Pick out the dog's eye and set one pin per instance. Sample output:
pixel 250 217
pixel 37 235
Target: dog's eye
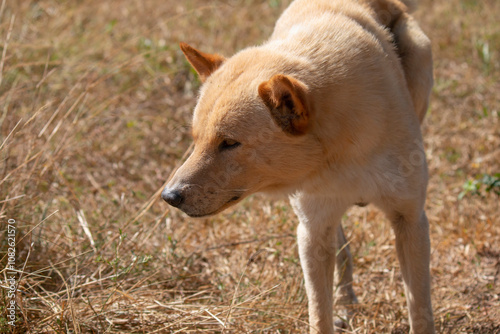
pixel 228 144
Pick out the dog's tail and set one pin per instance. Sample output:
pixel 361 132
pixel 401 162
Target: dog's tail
pixel 412 46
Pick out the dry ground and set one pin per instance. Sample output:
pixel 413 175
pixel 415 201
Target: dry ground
pixel 95 104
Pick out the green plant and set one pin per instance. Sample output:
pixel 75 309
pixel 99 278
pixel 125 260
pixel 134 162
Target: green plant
pixel 485 184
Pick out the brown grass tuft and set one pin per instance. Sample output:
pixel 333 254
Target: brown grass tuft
pixel 95 105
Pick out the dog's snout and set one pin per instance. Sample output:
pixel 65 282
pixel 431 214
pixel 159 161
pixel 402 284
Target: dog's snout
pixel 172 197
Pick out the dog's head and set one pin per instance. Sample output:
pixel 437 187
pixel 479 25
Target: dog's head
pixel 250 130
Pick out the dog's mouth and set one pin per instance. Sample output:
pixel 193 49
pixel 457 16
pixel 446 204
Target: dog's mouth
pixel 229 203
pixel 234 199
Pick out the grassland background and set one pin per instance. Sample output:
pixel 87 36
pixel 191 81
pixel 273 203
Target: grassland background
pixel 95 107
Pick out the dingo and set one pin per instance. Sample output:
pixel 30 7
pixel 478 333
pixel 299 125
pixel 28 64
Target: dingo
pixel 328 111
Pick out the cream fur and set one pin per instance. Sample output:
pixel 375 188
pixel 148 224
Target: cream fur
pixel 327 111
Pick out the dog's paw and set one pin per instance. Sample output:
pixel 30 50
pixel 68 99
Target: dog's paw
pixel 344 308
pixel 341 324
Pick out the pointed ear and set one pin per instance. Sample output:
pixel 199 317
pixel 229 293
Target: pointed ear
pixel 286 99
pixel 204 63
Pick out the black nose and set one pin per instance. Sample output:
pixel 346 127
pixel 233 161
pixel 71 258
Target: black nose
pixel 172 197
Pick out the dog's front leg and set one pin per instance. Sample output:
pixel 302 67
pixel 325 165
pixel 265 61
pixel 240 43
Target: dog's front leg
pixel 317 257
pixel 344 296
pixel 319 222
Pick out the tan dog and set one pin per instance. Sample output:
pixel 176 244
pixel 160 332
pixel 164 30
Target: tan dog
pixel 327 111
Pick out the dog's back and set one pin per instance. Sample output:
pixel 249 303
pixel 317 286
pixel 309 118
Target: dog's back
pixel 320 22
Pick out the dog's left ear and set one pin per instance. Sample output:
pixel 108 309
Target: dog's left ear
pixel 286 99
pixel 204 63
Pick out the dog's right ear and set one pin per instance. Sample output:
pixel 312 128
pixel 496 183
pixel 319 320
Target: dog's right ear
pixel 286 99
pixel 204 63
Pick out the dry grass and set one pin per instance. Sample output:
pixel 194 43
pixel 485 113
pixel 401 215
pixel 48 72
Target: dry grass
pixel 95 104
